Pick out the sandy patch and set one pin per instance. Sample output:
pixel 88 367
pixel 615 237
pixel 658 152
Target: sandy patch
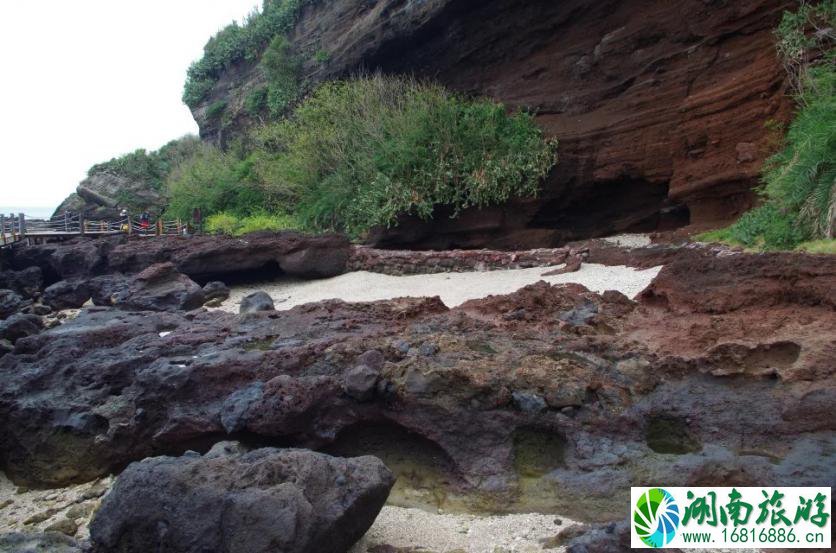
pixel 628 240
pixel 453 288
pixel 443 533
pixel 66 510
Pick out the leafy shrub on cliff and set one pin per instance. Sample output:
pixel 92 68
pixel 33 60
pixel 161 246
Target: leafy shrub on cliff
pixel 282 68
pixel 216 110
pixel 801 36
pixel 239 43
pixel 363 152
pixel 256 100
pixel 213 181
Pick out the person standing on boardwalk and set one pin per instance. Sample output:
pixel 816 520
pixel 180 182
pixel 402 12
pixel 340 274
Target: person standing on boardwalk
pixel 144 222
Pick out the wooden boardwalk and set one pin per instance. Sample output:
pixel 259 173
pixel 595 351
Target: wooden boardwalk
pixel 17 228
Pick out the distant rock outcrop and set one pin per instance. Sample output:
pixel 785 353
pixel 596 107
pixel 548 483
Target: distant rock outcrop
pixel 103 195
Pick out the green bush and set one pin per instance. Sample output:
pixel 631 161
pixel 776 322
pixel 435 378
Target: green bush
pixel 363 152
pixel 237 43
pixel 818 246
pixel 266 221
pixel 801 36
pixel 322 57
pixel 221 223
pixel 228 223
pixel 213 181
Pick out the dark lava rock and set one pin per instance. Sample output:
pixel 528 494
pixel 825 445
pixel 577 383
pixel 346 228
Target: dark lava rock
pixel 40 309
pixel 27 282
pixel 73 293
pixel 267 500
pixel 373 359
pixel 216 290
pixel 80 257
pixel 10 302
pixel 202 258
pixel 213 257
pixel 360 382
pixel 160 287
pixel 19 326
pixel 67 294
pixel 257 302
pixel 51 542
pixel 528 402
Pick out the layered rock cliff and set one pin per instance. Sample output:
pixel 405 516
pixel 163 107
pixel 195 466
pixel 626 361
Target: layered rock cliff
pixel 660 105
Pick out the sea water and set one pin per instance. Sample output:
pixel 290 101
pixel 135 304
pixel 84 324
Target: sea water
pixel 30 212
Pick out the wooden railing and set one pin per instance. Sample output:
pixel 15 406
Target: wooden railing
pixel 17 227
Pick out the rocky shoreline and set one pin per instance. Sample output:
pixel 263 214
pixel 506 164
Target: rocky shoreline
pixel 720 372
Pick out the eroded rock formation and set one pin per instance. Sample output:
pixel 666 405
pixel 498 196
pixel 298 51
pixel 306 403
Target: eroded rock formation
pixel 554 388
pixel 660 105
pixel 202 258
pixel 101 196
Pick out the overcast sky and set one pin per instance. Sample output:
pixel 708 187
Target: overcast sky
pixel 88 80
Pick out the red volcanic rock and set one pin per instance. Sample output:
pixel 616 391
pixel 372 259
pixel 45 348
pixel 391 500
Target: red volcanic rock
pixel 659 105
pixel 737 280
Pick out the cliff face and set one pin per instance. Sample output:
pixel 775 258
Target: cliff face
pixel 660 105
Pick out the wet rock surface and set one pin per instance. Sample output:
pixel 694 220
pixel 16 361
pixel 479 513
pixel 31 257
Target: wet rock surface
pixel 259 501
pixel 567 397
